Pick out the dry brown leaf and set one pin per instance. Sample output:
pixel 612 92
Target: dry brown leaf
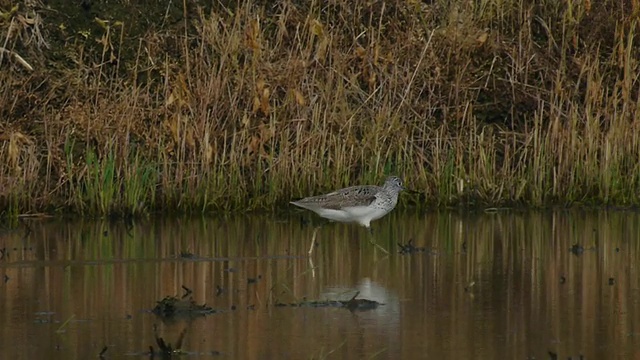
pixel 252 34
pixel 483 38
pixel 264 103
pixel 170 100
pixel 321 49
pixel 256 104
pixel 300 100
pixel 316 28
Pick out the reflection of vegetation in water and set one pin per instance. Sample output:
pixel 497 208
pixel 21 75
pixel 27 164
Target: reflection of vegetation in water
pixel 132 108
pixel 517 274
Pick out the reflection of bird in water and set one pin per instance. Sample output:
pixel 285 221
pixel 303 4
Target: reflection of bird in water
pixel 377 328
pixel 369 290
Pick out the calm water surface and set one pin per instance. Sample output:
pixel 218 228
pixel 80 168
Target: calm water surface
pixel 491 286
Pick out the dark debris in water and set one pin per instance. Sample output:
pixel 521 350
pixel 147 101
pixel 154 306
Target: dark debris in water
pixel 4 252
pixel 352 305
pixel 469 286
pixel 172 306
pixel 554 356
pixel 165 349
pixel 104 350
pixel 577 249
pixel 168 351
pixel 187 255
pixel 409 248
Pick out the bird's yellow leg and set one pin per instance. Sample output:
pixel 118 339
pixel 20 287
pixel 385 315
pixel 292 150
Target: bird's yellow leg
pixel 373 241
pixel 313 239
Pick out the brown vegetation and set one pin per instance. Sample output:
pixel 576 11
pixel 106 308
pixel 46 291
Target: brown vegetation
pixel 243 106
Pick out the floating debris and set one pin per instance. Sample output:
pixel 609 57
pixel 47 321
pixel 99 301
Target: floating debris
pixel 171 306
pixel 187 255
pixel 165 349
pixel 409 248
pixel 104 350
pixel 554 356
pixel 469 286
pixel 61 329
pixel 612 281
pixel 168 351
pixel 353 304
pixel 563 279
pixel 576 249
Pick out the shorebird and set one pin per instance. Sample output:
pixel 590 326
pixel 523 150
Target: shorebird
pixel 360 204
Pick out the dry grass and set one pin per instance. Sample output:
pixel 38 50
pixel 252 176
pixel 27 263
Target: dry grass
pixel 487 102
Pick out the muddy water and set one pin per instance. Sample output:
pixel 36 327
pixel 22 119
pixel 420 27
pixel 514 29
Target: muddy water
pixel 489 286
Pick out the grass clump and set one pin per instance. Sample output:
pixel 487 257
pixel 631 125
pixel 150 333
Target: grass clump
pixel 245 105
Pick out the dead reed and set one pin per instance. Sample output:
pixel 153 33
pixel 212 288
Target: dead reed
pixel 245 106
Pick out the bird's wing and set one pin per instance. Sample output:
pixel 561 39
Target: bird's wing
pixel 347 197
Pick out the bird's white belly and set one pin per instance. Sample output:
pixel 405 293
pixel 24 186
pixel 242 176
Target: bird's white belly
pixel 361 214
